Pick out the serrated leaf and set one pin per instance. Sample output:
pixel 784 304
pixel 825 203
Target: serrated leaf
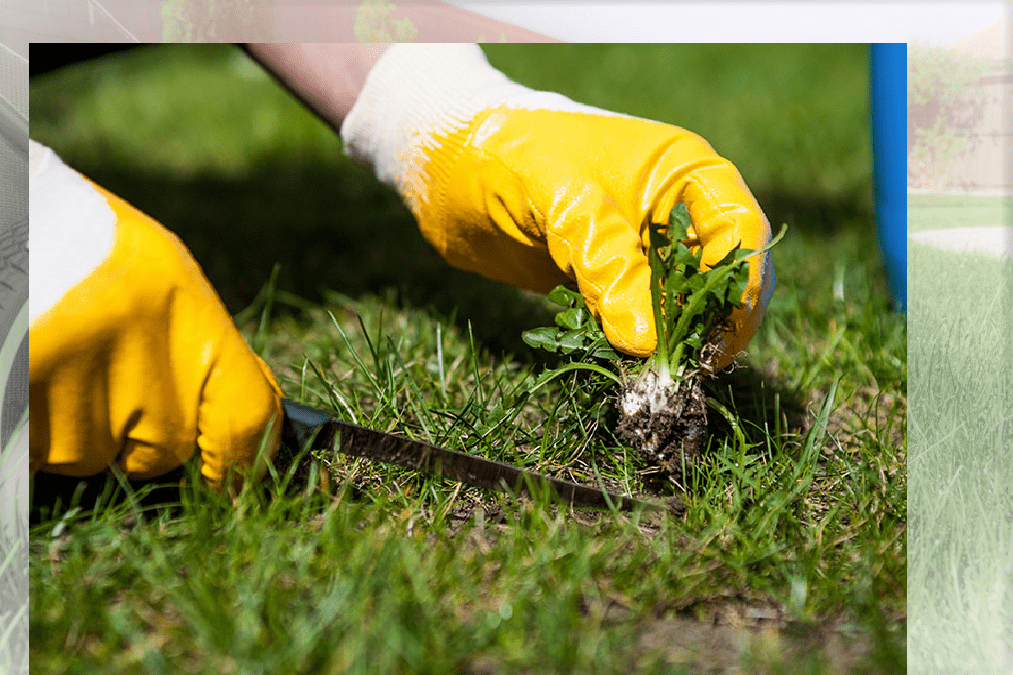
pixel 694 284
pixel 689 303
pixel 679 221
pixel 737 286
pixel 685 257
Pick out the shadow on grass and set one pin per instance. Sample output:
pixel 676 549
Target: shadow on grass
pixel 815 212
pixel 754 398
pixel 55 496
pixel 331 227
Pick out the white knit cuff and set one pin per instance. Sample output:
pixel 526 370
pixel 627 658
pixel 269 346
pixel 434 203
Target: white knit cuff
pixel 73 228
pixel 38 155
pixel 417 92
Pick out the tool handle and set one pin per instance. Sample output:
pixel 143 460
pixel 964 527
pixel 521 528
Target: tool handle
pixel 304 424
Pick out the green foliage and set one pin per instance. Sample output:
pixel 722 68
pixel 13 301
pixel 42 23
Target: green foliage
pixel 945 102
pixel 691 304
pixel 394 572
pixel 576 332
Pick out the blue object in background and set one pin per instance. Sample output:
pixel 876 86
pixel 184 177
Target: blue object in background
pixel 888 63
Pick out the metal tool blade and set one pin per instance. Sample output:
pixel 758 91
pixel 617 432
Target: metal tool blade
pixel 305 424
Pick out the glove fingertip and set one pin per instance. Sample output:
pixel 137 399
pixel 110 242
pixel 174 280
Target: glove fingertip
pixel 627 318
pixel 240 418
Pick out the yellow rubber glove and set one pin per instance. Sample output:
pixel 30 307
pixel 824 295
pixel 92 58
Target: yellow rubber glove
pixel 533 189
pixel 134 360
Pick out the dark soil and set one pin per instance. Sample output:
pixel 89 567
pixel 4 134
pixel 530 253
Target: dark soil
pixel 673 437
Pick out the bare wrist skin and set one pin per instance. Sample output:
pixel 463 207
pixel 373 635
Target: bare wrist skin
pixel 326 77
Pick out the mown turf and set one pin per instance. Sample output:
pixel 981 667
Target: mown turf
pixel 790 546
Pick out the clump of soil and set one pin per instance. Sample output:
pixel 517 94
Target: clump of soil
pixel 666 423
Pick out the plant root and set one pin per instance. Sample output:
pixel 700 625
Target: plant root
pixel 665 424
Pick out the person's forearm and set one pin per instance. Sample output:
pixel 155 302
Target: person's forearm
pixel 327 78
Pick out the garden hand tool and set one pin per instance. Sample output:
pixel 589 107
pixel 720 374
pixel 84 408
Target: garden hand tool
pixel 533 189
pixel 307 425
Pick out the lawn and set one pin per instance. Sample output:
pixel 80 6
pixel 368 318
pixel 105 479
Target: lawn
pixel 789 551
pixel 961 430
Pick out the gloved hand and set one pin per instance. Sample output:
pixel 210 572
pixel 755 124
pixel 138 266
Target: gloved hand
pixel 533 189
pixel 134 360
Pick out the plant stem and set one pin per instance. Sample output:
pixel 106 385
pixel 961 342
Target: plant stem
pixel 658 241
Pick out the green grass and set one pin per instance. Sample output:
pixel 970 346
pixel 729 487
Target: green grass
pixel 961 429
pixel 797 521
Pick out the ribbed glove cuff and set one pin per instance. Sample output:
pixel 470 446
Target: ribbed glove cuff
pixel 418 93
pixel 414 93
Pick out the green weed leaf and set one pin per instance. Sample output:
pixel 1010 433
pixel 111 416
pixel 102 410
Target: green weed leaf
pixel 690 303
pixel 563 296
pixel 571 341
pixel 542 338
pixel 679 221
pixel 573 318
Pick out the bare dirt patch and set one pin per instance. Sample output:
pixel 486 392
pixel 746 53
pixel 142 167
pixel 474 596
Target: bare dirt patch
pixel 750 637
